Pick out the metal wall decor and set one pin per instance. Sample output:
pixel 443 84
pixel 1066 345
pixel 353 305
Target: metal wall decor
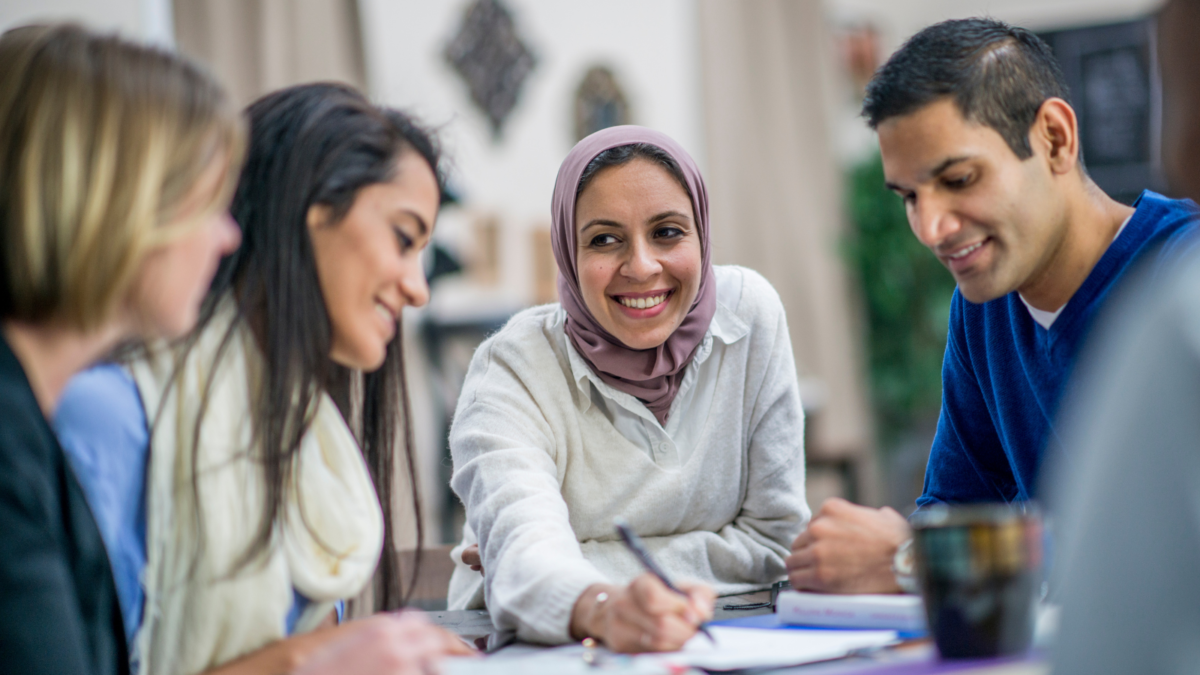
pixel 599 103
pixel 492 59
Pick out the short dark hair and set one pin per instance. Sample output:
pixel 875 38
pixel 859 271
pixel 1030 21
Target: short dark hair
pixel 623 154
pixel 999 76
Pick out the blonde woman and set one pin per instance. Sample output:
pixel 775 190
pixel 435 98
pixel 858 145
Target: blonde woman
pixel 117 165
pixel 115 175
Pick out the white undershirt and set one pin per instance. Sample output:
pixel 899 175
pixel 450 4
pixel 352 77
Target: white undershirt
pixel 1046 319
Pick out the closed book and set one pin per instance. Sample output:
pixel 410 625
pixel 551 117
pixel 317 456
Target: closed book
pixel 897 612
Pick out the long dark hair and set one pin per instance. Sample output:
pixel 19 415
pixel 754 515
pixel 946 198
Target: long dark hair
pixel 315 144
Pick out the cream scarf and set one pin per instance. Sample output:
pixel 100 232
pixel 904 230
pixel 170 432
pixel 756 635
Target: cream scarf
pixel 199 612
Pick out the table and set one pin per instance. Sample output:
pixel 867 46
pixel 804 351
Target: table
pixel 919 658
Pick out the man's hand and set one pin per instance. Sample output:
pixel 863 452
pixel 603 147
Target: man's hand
pixel 644 616
pixel 848 548
pixel 471 557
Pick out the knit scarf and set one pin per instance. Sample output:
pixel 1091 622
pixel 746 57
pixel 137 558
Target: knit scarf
pixel 203 609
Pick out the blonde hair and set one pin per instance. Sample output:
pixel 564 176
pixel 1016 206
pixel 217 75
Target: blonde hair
pixel 100 142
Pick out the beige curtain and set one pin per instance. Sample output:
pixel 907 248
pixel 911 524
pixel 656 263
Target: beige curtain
pixel 776 195
pixel 256 46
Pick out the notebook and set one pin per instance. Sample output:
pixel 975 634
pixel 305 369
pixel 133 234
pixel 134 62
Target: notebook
pixel 895 612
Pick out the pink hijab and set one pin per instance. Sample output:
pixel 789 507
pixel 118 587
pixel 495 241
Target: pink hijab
pixel 650 375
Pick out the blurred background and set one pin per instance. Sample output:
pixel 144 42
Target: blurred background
pixel 764 94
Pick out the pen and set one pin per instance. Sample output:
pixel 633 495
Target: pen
pixel 638 549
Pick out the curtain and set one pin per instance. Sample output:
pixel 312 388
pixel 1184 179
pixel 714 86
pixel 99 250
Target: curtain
pixel 257 46
pixel 776 200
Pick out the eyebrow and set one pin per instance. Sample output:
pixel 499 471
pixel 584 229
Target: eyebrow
pixel 937 171
pixel 654 219
pixel 670 214
pixel 599 221
pixel 417 217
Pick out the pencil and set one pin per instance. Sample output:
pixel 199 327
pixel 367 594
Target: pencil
pixel 634 543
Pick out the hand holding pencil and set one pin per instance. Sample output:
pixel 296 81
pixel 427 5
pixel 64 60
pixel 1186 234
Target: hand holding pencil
pixel 645 616
pixel 635 545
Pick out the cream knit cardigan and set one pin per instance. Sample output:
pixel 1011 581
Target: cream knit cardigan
pixel 542 470
pixel 201 610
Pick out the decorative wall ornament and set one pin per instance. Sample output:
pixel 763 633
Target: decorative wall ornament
pixel 492 59
pixel 599 103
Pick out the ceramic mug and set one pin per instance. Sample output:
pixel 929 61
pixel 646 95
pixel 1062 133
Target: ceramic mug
pixel 979 567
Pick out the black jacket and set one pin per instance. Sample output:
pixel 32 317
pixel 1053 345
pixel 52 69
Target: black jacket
pixel 58 603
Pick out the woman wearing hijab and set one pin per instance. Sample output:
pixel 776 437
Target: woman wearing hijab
pixel 661 390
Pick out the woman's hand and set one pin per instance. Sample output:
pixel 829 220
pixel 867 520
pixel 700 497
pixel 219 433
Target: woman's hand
pixel 471 557
pixel 644 616
pixel 384 643
pixel 392 644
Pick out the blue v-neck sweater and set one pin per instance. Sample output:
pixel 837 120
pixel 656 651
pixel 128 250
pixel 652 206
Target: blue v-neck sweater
pixel 1003 374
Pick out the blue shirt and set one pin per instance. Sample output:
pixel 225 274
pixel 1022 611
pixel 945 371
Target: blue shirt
pixel 1004 374
pixel 102 427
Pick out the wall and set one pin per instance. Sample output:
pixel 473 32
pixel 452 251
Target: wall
pixel 148 20
pixel 898 20
pixel 651 47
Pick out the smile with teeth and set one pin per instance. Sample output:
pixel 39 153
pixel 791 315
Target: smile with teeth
pixel 644 303
pixel 965 252
pixel 385 313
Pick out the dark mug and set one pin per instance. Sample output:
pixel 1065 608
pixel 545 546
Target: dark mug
pixel 980 570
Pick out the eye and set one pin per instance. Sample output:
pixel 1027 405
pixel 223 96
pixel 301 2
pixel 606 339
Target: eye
pixel 668 232
pixel 958 182
pixel 602 240
pixel 403 241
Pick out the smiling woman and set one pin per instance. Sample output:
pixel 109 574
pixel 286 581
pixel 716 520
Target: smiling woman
pixel 368 263
pixel 661 390
pixel 639 271
pixel 270 434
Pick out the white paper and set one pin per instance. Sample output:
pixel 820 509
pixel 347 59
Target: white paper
pixel 737 648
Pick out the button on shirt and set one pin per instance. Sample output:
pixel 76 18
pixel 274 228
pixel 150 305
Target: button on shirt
pixel 671 446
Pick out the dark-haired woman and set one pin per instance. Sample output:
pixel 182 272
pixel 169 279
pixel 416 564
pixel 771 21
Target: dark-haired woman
pixel 256 510
pixel 661 389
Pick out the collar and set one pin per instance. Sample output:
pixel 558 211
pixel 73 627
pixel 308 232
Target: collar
pixel 726 326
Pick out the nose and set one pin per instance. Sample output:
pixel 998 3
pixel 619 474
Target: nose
pixel 642 263
pixel 932 221
pixel 413 285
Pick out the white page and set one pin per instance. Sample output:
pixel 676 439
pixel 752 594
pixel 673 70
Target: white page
pixel 737 648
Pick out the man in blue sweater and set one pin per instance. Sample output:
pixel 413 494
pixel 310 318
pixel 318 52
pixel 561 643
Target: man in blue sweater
pixel 978 138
